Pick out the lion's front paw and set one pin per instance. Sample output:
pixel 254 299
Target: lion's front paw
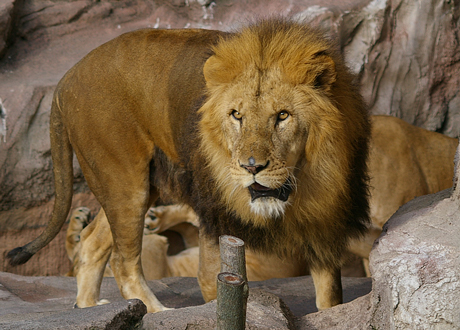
pixel 98 303
pixel 151 226
pixel 103 302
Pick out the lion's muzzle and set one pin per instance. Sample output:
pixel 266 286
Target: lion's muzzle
pixel 257 191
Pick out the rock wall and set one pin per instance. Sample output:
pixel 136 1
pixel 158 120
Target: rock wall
pixel 406 55
pixel 410 70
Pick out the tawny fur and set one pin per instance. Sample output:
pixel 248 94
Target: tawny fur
pixel 184 114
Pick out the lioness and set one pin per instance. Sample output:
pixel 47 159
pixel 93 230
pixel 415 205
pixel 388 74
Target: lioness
pixel 261 132
pixel 156 263
pixel 405 161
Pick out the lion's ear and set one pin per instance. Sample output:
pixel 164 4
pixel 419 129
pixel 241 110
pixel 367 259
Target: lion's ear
pixel 326 73
pixel 216 72
pixel 319 72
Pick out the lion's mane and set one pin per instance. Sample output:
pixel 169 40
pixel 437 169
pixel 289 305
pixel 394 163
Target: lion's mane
pixel 329 204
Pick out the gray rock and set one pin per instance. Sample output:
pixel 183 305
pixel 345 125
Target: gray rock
pixel 411 54
pixel 265 311
pixel 415 265
pixel 355 315
pixel 120 315
pixel 273 304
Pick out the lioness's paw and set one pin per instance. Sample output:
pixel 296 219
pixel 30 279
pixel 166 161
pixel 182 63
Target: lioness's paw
pixel 81 214
pixel 100 302
pixel 152 223
pixel 151 226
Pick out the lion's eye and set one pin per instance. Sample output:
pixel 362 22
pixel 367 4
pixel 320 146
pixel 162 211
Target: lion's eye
pixel 283 115
pixel 237 115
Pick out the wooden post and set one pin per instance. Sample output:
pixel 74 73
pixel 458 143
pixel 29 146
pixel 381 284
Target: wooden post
pixel 232 285
pixel 231 305
pixel 232 256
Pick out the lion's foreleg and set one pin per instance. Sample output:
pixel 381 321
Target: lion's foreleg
pixel 95 248
pixel 328 287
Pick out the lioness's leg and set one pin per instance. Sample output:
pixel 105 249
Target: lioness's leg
pixel 209 267
pixel 91 260
pixel 165 217
pixel 328 287
pixel 154 257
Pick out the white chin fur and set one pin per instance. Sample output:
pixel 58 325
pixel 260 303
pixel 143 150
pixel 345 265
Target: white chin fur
pixel 268 207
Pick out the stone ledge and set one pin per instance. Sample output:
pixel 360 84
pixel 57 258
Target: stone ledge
pixel 26 300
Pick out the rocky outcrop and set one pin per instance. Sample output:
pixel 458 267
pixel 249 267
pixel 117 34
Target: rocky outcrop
pixel 411 54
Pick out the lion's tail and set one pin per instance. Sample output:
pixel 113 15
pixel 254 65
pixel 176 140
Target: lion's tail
pixel 62 156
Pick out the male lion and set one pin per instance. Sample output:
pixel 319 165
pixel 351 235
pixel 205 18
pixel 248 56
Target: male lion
pixel 261 132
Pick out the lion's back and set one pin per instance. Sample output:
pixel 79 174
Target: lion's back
pixel 405 162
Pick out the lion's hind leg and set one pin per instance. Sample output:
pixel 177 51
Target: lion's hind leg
pixel 90 262
pixel 125 206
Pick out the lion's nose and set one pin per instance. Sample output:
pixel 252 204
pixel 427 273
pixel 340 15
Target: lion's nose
pixel 252 167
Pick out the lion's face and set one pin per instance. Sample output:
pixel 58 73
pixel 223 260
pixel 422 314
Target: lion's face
pixel 259 129
pixel 265 135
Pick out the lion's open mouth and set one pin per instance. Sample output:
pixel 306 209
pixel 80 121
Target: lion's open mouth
pixel 257 191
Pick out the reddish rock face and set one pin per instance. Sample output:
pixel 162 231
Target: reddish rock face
pixel 19 226
pixel 406 56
